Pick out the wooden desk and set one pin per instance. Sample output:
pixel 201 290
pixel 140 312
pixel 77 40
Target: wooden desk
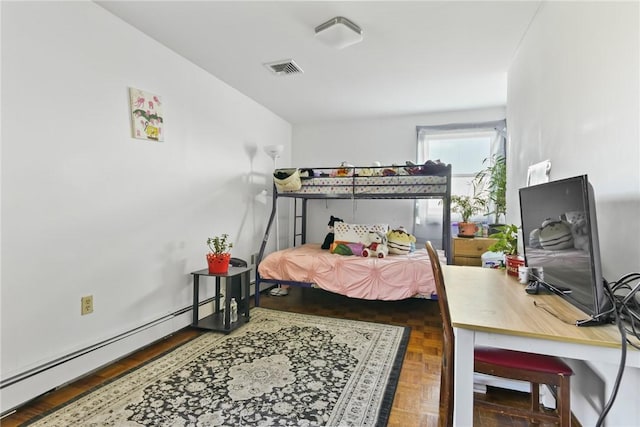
pixel 490 308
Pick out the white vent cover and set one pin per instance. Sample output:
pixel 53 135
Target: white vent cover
pixel 283 67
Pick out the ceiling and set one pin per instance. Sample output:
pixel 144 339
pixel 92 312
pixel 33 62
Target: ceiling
pixel 416 56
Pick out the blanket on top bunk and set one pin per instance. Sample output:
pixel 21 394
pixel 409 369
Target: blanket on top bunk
pixel 394 277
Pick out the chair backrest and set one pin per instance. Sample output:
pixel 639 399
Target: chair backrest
pixel 446 375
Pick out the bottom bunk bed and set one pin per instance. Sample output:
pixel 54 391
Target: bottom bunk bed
pixel 394 277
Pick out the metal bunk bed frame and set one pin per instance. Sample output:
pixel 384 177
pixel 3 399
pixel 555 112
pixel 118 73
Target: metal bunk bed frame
pixel 352 195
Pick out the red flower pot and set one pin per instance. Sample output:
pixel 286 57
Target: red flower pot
pixel 467 229
pixel 513 262
pixel 218 263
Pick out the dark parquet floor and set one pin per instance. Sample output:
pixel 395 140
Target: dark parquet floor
pixel 417 394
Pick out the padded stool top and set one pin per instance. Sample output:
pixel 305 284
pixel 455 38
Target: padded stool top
pixel 522 360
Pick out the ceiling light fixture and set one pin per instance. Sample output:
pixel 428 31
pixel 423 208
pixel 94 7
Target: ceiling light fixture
pixel 339 32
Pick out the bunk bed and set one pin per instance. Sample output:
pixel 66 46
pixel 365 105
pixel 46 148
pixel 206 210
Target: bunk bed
pixel 311 266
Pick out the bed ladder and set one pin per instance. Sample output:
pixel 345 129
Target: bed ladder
pixel 299 215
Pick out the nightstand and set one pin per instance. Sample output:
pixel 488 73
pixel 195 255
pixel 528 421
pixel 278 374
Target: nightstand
pixel 221 320
pixel 468 251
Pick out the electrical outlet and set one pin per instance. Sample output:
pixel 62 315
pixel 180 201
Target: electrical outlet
pixel 86 305
pixel 254 258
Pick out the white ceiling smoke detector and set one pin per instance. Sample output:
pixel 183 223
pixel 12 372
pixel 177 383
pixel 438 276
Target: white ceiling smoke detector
pixel 339 32
pixel 283 67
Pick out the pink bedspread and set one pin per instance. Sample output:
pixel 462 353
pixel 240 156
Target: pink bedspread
pixel 395 277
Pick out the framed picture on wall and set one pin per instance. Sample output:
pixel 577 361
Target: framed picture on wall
pixel 146 115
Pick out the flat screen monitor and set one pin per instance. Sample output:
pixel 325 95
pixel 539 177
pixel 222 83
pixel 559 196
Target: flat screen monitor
pixel 561 235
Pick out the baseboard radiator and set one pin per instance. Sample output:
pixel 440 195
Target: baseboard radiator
pixel 21 388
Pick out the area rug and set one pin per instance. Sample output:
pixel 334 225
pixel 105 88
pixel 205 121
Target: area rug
pixel 280 369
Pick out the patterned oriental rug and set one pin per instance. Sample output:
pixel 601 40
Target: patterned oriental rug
pixel 280 369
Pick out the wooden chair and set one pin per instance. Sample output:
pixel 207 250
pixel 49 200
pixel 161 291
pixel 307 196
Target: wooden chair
pixel 534 368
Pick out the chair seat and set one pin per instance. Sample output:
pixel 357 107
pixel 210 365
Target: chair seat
pixel 522 360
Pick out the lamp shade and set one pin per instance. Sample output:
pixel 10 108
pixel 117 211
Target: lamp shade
pixel 274 151
pixel 339 32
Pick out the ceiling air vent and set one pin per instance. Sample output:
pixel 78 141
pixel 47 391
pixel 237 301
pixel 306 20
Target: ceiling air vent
pixel 284 67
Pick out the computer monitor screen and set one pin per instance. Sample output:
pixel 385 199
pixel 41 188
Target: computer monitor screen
pixel 561 236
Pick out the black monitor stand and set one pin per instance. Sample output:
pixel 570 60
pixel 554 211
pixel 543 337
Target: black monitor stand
pixel 537 286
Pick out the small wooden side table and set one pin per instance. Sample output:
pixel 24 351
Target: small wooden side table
pixel 468 251
pixel 218 320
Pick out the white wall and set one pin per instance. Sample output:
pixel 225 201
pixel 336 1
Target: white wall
pixel 88 210
pixel 390 140
pixel 573 97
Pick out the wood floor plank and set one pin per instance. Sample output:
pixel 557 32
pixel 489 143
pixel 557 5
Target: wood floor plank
pixel 417 394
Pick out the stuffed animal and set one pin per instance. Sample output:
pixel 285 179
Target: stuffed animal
pixel 555 235
pixel 400 242
pixel 328 240
pixel 377 245
pixel 412 168
pixel 580 233
pixel 345 169
pixel 365 172
pixel 534 239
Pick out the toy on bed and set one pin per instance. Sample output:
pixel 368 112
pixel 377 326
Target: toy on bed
pixel 400 242
pixel 345 169
pixel 430 167
pixel 553 235
pixel 377 245
pixel 579 229
pixel 348 248
pixel 328 240
pixel 349 238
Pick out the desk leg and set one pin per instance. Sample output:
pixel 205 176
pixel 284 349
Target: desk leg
pixel 463 374
pixel 196 299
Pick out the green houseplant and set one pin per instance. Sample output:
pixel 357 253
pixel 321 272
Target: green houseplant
pixel 218 258
pixel 467 206
pixel 507 243
pixel 493 181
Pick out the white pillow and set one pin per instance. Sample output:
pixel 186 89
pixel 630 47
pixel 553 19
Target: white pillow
pixel 356 233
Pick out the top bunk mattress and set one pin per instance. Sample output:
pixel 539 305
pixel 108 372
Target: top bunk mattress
pixel 394 277
pixel 361 185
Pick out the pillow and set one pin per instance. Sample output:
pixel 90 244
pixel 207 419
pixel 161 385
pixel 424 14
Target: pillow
pixel 356 233
pixel 343 248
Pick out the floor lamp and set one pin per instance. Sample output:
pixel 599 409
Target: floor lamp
pixel 274 151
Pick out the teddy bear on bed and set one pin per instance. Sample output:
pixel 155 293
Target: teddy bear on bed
pixel 555 235
pixel 376 245
pixel 328 240
pixel 400 241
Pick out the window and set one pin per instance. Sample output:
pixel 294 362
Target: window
pixel 465 147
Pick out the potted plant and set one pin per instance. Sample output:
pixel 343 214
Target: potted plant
pixel 507 243
pixel 218 258
pixel 493 182
pixel 467 206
